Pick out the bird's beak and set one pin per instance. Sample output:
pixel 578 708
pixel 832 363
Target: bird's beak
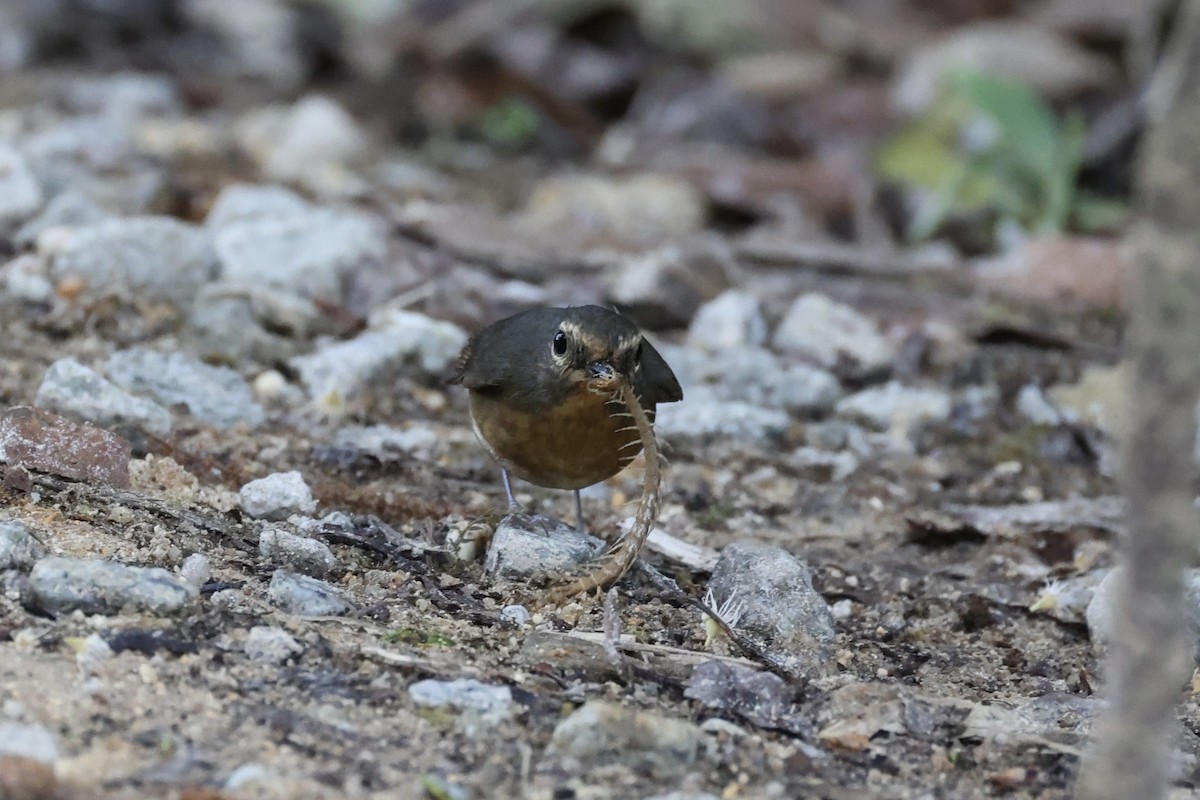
pixel 602 372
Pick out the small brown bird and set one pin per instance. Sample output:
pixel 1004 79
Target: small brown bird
pixel 543 400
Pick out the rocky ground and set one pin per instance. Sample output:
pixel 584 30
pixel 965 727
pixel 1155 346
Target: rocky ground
pixel 250 547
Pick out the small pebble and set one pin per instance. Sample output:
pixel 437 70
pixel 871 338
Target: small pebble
pixel 19 549
pixel 826 331
pixel 196 569
pixel 271 644
pixel 277 496
pixel 516 614
pixel 61 584
pixel 730 321
pixel 307 597
pixel 527 546
pixel 299 553
pixel 602 733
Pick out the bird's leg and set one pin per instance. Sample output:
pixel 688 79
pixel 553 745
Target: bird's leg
pixel 513 506
pixel 579 526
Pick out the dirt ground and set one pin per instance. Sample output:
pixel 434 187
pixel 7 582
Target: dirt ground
pixel 949 551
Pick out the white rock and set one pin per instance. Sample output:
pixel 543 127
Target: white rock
pixel 276 497
pixel 824 330
pixel 271 644
pixel 895 404
pixel 20 192
pixel 731 320
pixel 196 569
pixel 70 388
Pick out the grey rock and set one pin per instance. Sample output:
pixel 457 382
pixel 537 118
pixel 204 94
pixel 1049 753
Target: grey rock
pixel 385 443
pixel 196 569
pixel 1033 405
pixel 838 434
pixel 69 209
pixel 515 614
pixel 308 253
pixel 216 395
pixel 277 496
pixel 29 741
pixel 731 320
pixel 527 546
pixel 662 288
pixel 271 644
pixel 74 390
pixel 826 332
pixel 305 596
pixel 759 697
pixel 125 96
pixel 20 192
pixel 24 279
pixel 246 202
pixel 343 369
pixel 246 323
pixel 19 549
pixel 779 606
pixel 494 703
pixel 840 464
pixel 59 584
pixel 894 404
pixel 706 414
pixel 309 556
pixel 316 134
pixel 603 733
pixel 755 376
pixel 152 256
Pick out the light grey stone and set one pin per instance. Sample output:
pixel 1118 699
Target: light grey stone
pixel 1033 405
pixel 196 569
pixel 28 741
pixel 515 614
pixel 152 256
pixel 305 596
pixel 895 404
pixel 778 605
pixel 59 584
pixel 602 733
pixel 308 556
pixel 731 320
pixel 216 395
pixel 308 253
pixel 826 331
pixel 72 389
pixel 528 546
pixel 271 644
pixel 277 496
pixel 246 202
pixel 465 694
pixel 704 413
pixel 316 133
pixel 755 376
pixel 24 278
pixel 19 548
pixel 386 443
pixel 338 370
pixel 20 192
pixel 68 209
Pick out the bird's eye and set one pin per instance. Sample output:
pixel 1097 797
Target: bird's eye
pixel 560 343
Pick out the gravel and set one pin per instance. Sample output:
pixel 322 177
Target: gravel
pixel 277 496
pixel 307 597
pixel 216 395
pixel 492 703
pixel 61 584
pixel 70 388
pixel 706 414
